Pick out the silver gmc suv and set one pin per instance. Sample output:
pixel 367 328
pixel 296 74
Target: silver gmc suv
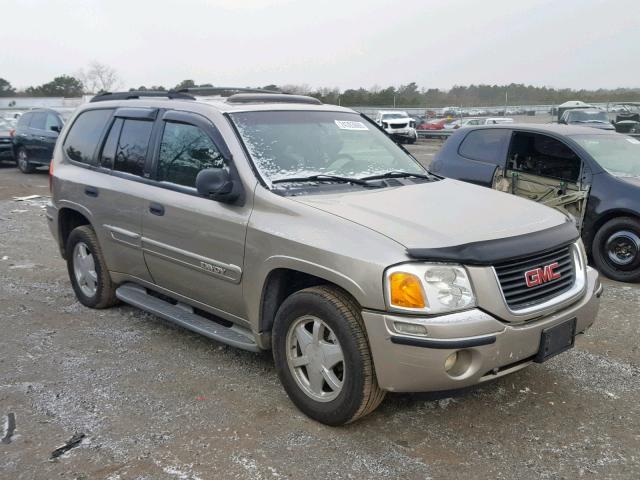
pixel 270 221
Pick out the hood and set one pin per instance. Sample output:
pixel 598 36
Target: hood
pixel 635 181
pixel 438 214
pixel 601 126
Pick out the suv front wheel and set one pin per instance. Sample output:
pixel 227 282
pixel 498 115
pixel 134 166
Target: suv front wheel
pixel 323 358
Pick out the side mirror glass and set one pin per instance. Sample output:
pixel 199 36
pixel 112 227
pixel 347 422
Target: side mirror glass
pixel 216 183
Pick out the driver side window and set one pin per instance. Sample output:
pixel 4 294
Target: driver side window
pixel 543 156
pixel 185 150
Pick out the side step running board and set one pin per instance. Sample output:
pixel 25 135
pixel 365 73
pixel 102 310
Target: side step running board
pixel 179 314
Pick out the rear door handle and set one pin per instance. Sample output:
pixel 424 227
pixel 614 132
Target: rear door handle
pixel 156 209
pixel 91 191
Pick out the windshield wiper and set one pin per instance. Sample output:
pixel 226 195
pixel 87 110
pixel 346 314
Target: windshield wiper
pixel 590 121
pixel 397 174
pixel 324 178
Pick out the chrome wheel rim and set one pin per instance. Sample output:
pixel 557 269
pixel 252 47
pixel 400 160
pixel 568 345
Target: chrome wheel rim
pixel 622 248
pixel 315 358
pixel 22 159
pixel 84 269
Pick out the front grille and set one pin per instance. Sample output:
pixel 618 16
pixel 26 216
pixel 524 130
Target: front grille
pixel 398 125
pixel 514 284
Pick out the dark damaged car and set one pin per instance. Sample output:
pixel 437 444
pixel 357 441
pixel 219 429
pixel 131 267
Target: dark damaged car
pixel 591 175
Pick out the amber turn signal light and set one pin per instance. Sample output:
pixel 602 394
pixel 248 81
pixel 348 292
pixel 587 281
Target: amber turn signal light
pixel 406 290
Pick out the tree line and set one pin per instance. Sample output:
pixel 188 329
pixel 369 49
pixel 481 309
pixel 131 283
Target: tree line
pixel 100 78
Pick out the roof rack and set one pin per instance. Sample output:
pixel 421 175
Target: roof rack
pixel 223 91
pixel 272 98
pixel 105 96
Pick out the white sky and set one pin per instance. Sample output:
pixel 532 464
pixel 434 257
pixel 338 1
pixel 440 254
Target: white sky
pixel 346 43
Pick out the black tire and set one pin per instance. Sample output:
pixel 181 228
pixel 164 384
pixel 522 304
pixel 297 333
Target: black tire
pixel 105 293
pixel 624 232
pixel 22 161
pixel 360 393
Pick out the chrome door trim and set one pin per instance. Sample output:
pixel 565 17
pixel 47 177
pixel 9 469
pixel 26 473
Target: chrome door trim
pixel 215 268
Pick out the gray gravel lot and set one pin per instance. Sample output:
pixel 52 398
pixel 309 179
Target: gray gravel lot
pixel 158 402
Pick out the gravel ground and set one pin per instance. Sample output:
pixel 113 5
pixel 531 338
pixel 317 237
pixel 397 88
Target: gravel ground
pixel 158 402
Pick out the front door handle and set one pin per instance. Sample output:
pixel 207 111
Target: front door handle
pixel 156 209
pixel 91 191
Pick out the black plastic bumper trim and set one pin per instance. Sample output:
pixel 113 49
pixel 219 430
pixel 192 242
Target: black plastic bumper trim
pixel 444 344
pixel 490 252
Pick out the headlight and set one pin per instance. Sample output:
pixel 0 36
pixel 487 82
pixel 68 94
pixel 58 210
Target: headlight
pixel 428 288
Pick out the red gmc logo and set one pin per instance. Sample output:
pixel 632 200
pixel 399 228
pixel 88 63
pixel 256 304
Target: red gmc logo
pixel 538 276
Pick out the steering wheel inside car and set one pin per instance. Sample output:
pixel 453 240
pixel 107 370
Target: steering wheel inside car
pixel 340 162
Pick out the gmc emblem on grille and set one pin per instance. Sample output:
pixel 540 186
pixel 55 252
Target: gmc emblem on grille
pixel 538 276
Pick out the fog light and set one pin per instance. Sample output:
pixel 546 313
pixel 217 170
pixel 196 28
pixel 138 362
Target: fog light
pixel 450 361
pixel 410 328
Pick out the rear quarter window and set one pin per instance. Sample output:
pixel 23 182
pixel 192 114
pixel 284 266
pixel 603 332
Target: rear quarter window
pixel 83 138
pixel 485 145
pixel 25 118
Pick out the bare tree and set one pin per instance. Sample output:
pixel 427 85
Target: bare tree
pixel 100 78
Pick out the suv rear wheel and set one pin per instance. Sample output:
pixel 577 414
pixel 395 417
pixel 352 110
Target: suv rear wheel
pixel 322 356
pixel 22 159
pixel 616 249
pixel 87 269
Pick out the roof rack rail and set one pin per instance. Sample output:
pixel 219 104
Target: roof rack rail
pixel 272 98
pixel 223 90
pixel 105 96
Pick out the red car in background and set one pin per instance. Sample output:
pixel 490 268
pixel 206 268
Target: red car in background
pixel 433 125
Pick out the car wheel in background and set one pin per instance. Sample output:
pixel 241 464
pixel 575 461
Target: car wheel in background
pixel 616 249
pixel 22 160
pixel 322 356
pixel 87 269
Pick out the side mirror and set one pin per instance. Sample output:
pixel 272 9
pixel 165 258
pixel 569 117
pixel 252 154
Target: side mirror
pixel 54 128
pixel 216 183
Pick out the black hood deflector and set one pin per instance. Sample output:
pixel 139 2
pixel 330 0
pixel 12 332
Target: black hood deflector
pixel 491 252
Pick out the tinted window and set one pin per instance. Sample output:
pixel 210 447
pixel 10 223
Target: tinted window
pixel 131 153
pixel 543 156
pixel 82 140
pixel 485 145
pixel 184 151
pixel 38 121
pixel 25 119
pixel 111 144
pixel 52 121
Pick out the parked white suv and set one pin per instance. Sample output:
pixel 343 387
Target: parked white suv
pixel 398 124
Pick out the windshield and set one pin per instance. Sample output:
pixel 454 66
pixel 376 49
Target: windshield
pixel 585 116
pixel 617 154
pixel 293 144
pixel 391 116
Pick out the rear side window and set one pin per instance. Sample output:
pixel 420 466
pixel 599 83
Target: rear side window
pixel 82 141
pixel 485 145
pixel 25 119
pixel 38 121
pixel 184 151
pixel 133 144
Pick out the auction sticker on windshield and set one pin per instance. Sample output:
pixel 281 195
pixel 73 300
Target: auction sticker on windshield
pixel 350 125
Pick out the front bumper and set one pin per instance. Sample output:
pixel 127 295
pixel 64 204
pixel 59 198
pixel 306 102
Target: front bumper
pixel 6 150
pixel 402 132
pixel 492 348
